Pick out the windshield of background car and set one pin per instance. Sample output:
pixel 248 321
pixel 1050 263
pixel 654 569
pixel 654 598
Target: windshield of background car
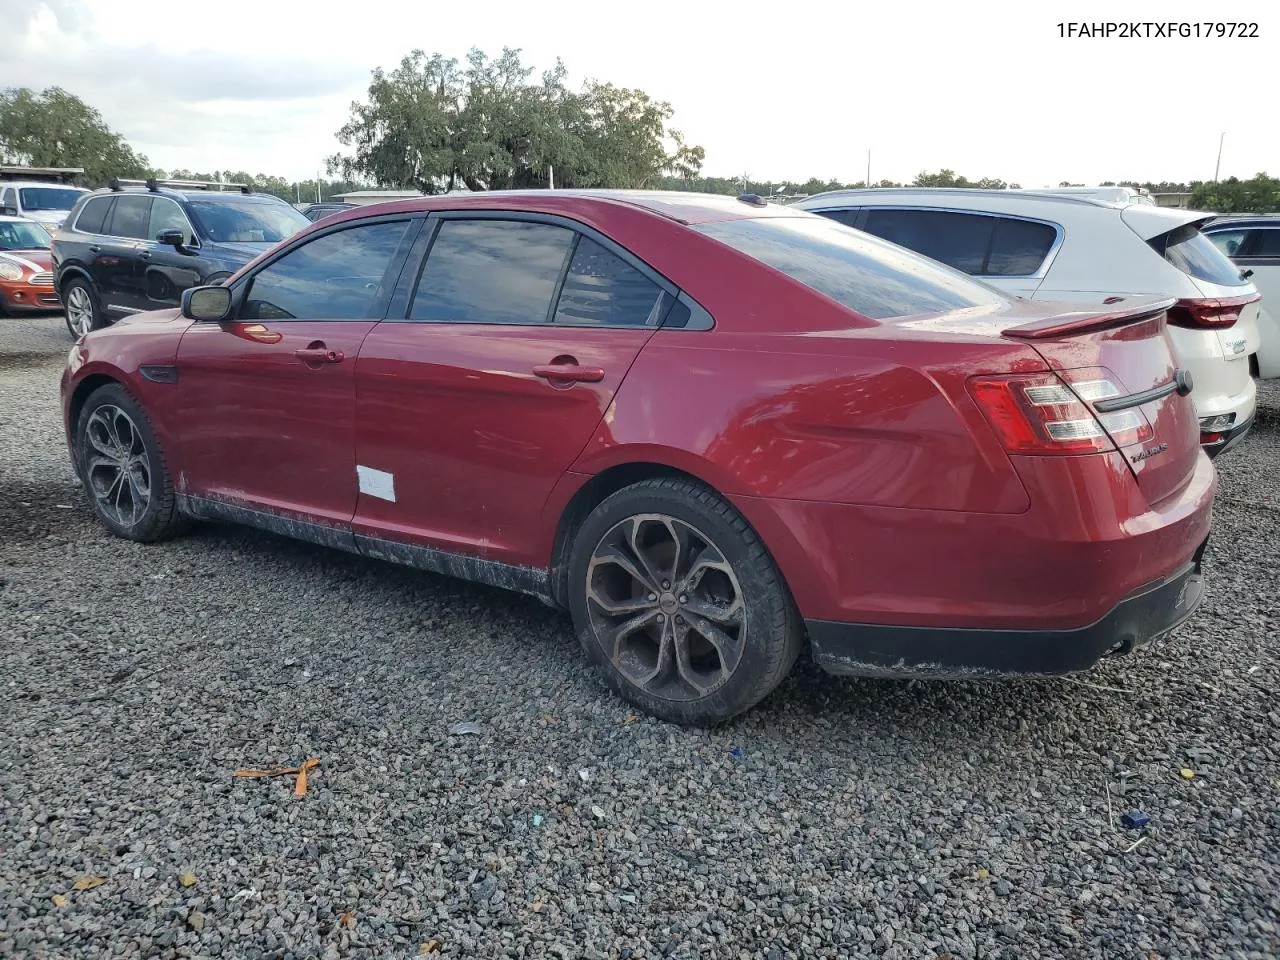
pixel 247 221
pixel 48 198
pixel 23 236
pixel 1194 254
pixel 874 278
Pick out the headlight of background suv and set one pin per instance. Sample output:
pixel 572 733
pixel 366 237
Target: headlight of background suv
pixel 10 271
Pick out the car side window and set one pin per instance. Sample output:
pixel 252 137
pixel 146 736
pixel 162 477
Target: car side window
pixel 167 215
pixel 336 276
pixel 1018 248
pixel 848 216
pixel 1230 242
pixel 10 198
pixel 130 217
pixel 959 240
pixel 93 218
pixel 1266 243
pixel 603 289
pixel 491 271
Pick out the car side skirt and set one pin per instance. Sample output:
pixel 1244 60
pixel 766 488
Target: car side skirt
pixel 528 580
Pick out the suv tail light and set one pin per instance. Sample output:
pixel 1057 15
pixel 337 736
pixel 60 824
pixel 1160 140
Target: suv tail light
pixel 1047 413
pixel 1207 314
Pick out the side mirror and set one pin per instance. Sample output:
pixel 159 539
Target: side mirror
pixel 207 304
pixel 173 238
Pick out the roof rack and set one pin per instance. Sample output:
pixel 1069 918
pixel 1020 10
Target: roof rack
pixel 50 174
pixel 153 184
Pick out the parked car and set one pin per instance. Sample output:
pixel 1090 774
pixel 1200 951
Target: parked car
pixel 46 203
pixel 26 280
pixel 1253 244
pixel 706 427
pixel 1049 246
pixel 137 246
pixel 318 211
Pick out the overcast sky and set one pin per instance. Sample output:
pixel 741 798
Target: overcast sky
pixel 786 91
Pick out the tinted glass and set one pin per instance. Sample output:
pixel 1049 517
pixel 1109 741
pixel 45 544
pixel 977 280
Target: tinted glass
pixel 957 239
pixel 93 218
pixel 1228 241
pixel 130 217
pixel 9 198
pixel 601 288
pixel 847 217
pixel 167 215
pixel 49 198
pixel 247 220
pixel 1192 252
pixel 334 277
pixel 23 236
pixel 491 271
pixel 875 279
pixel 1267 243
pixel 1019 248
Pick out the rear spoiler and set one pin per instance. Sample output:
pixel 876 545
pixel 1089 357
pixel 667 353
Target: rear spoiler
pixel 1082 321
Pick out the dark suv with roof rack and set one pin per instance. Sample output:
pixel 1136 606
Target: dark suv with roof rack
pixel 136 245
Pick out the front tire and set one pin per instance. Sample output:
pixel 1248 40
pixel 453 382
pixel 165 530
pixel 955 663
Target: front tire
pixel 679 605
pixel 83 309
pixel 123 468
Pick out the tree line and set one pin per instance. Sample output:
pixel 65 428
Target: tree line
pixel 433 124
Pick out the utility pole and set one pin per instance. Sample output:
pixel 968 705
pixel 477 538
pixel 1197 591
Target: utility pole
pixel 868 168
pixel 317 186
pixel 1218 166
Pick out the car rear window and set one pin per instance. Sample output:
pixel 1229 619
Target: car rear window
pixel 1195 255
pixel 867 275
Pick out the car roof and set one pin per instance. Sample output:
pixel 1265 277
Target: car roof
pixel 5 184
pixel 686 208
pixel 216 195
pixel 1040 196
pixel 1234 221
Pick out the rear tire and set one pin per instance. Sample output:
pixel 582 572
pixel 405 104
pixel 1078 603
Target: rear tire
pixel 123 468
pixel 679 605
pixel 82 308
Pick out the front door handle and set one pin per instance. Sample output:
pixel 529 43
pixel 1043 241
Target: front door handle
pixel 94 248
pixel 568 373
pixel 318 353
pixel 145 255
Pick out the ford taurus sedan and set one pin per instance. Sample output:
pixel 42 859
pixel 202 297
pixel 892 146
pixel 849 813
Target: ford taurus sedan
pixel 716 432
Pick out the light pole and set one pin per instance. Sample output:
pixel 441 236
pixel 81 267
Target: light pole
pixel 1218 166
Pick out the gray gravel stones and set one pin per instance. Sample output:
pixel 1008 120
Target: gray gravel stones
pixel 862 818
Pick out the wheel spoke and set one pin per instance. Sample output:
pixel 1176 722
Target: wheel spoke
pixel 653 576
pixel 728 649
pixel 730 614
pixel 625 629
pixel 621 608
pixel 703 685
pixel 619 558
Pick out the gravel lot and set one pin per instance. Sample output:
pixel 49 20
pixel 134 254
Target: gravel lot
pixel 842 818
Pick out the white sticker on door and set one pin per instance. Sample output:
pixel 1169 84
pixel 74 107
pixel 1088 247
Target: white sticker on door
pixel 377 483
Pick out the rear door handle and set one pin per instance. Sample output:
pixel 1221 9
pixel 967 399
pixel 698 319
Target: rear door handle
pixel 568 373
pixel 94 248
pixel 145 255
pixel 319 354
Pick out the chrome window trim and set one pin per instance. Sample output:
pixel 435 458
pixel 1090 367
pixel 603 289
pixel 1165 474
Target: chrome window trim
pixel 1041 272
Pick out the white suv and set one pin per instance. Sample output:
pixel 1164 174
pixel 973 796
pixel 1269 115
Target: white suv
pixel 1253 244
pixel 46 203
pixel 1047 246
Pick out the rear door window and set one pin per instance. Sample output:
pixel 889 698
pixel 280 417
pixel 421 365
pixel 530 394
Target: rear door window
pixel 1018 248
pixel 1266 243
pixel 93 218
pixel 959 240
pixel 1195 255
pixel 870 277
pixel 492 271
pixel 130 217
pixel 847 216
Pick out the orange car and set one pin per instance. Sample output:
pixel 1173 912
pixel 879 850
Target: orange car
pixel 26 270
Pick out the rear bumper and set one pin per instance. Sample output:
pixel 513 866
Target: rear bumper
pixel 1229 439
pixel 853 649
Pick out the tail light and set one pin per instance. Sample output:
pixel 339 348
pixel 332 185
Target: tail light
pixel 1051 413
pixel 1204 314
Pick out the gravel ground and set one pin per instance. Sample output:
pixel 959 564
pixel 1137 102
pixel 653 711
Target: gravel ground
pixel 841 818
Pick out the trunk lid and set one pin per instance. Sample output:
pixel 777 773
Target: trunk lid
pixel 1130 348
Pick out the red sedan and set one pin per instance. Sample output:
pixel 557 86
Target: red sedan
pixel 707 427
pixel 26 271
